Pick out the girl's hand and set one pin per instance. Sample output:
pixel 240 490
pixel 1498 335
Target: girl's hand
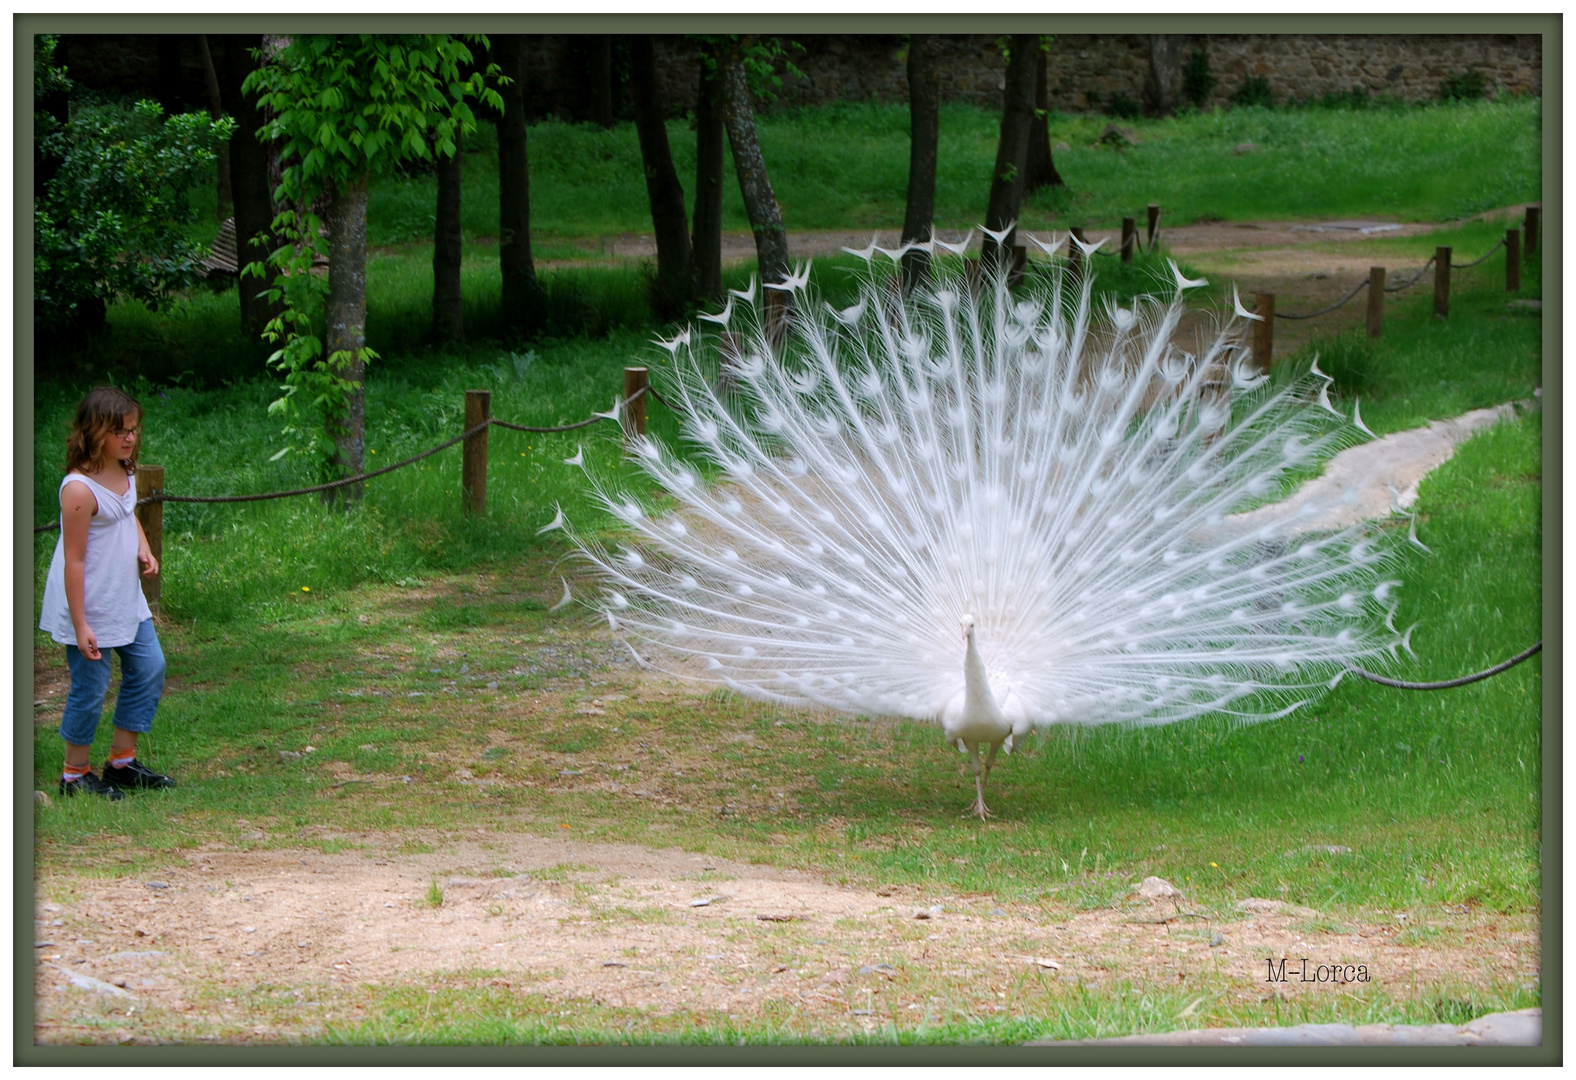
pixel 87 643
pixel 150 565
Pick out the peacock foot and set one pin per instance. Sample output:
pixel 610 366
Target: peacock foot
pixel 978 809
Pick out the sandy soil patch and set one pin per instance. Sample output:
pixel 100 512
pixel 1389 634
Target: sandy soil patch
pixel 667 931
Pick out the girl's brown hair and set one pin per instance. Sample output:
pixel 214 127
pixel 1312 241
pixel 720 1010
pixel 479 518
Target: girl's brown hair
pixel 103 410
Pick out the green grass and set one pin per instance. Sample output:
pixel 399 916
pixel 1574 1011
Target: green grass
pixel 846 167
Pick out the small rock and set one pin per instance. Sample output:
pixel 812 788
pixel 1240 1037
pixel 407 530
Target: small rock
pixel 289 755
pixel 1156 887
pixel 1061 146
pixel 932 912
pixel 1119 136
pixel 248 929
pixel 700 903
pixel 1323 849
pixel 492 685
pixel 158 885
pixel 1217 940
pixel 463 773
pixel 41 798
pixel 1245 148
pixel 997 911
pixel 835 976
pixel 1274 907
pixel 42 944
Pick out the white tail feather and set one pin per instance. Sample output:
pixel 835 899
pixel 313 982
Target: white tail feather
pixel 904 461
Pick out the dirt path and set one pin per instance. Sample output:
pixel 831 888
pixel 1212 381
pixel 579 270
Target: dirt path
pixel 275 944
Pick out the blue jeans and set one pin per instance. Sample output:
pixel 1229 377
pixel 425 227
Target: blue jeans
pixel 141 683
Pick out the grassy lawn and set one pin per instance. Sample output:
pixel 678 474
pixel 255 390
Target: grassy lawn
pixel 413 648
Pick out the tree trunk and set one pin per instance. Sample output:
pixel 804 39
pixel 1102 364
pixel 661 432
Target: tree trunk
pixel 1039 169
pixel 1006 185
pixel 448 313
pixel 1164 86
pixel 226 204
pixel 345 322
pixel 924 125
pixel 249 168
pixel 706 242
pixel 514 194
pixel 766 216
pixel 601 74
pixel 668 219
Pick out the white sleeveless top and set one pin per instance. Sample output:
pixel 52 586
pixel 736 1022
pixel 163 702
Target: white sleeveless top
pixel 112 599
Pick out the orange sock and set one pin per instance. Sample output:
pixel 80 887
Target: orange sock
pixel 119 758
pixel 73 772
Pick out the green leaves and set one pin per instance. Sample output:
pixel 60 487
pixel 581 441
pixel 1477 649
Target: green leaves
pixel 348 107
pixel 107 227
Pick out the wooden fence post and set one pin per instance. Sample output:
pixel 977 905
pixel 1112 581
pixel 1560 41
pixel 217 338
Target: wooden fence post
pixel 1512 260
pixel 1442 281
pixel 1264 332
pixel 1129 238
pixel 1154 223
pixel 473 466
pixel 1376 276
pixel 150 478
pixel 634 416
pixel 1529 229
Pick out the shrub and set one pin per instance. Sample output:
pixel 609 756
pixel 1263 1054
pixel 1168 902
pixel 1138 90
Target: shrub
pixel 1469 85
pixel 1198 80
pixel 1254 92
pixel 109 223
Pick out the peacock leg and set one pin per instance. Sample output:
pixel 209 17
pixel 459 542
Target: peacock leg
pixel 979 785
pixel 991 760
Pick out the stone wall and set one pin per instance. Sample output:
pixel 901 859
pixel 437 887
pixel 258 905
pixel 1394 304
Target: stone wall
pixel 1085 70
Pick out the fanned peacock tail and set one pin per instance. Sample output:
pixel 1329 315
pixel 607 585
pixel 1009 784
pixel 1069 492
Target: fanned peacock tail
pixel 887 469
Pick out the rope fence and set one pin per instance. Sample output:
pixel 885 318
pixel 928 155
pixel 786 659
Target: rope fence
pixel 159 496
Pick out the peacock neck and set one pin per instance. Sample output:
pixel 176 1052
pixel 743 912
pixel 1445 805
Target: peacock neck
pixel 976 684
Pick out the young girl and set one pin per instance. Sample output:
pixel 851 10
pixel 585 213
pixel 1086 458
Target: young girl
pixel 93 601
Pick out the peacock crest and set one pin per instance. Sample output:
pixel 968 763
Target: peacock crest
pixel 1061 486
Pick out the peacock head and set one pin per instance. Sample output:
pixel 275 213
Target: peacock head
pixel 967 623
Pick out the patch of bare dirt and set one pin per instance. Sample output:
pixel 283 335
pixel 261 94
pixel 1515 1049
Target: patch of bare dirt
pixel 665 931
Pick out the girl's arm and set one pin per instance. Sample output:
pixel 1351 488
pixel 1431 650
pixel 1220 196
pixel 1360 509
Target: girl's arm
pixel 150 565
pixel 77 507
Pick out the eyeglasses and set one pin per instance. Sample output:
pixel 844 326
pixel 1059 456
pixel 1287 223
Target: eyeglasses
pixel 121 433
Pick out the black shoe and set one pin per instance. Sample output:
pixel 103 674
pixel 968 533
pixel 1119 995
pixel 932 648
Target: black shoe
pixel 134 774
pixel 88 784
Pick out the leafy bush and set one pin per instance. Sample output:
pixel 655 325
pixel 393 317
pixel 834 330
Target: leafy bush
pixel 1469 85
pixel 109 224
pixel 1254 92
pixel 1122 107
pixel 1198 80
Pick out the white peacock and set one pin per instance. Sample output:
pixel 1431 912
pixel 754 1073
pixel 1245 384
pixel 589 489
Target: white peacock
pixel 976 506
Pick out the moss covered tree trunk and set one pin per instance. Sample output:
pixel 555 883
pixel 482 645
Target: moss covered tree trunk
pixel 249 184
pixel 766 215
pixel 448 314
pixel 706 240
pixel 514 194
pixel 345 318
pixel 1040 168
pixel 1006 181
pixel 666 194
pixel 924 111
